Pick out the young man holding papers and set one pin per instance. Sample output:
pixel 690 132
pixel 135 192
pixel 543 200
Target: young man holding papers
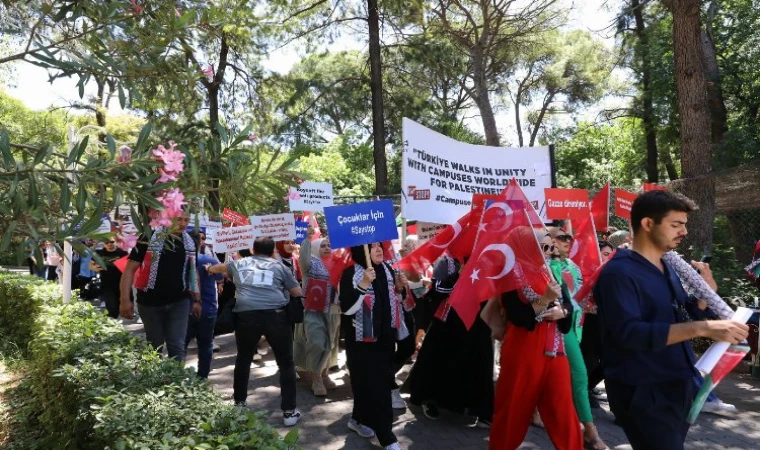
pixel 647 357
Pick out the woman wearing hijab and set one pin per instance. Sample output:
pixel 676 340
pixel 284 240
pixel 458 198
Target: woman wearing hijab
pixel 285 253
pixel 569 276
pixel 316 339
pixel 454 367
pixel 370 298
pixel 534 368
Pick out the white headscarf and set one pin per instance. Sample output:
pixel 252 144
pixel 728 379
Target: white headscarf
pixel 316 245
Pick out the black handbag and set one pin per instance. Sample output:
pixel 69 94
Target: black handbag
pixel 295 310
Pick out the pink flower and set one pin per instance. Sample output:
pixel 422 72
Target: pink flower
pixel 126 241
pixel 166 176
pixel 208 71
pixel 159 218
pixel 136 9
pixel 125 155
pixel 252 137
pixel 172 201
pixel 293 195
pixel 177 13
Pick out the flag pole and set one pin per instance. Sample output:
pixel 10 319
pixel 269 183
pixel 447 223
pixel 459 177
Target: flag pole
pixel 593 226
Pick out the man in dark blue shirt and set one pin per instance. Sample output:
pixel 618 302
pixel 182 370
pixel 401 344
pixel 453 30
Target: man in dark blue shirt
pixel 647 357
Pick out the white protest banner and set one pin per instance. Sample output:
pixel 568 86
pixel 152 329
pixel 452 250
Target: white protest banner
pixel 440 174
pixel 427 231
pixel 280 227
pixel 122 217
pixel 310 196
pixel 233 238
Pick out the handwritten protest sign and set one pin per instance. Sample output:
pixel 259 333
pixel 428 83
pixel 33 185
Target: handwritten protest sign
pixel 623 203
pixel 280 227
pixel 205 225
pixel 310 196
pixel 235 217
pixel 361 223
pixel 233 238
pixel 427 231
pixel 440 174
pixel 301 227
pixel 566 203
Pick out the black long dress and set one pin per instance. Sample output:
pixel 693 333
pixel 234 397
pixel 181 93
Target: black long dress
pixel 454 368
pixel 369 363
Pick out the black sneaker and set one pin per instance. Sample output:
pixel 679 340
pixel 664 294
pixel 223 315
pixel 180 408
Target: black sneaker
pixel 483 423
pixel 430 410
pixel 593 402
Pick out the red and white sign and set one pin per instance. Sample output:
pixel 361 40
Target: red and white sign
pixel 232 239
pixel 566 203
pixel 646 187
pixel 623 202
pixel 235 217
pixel 280 227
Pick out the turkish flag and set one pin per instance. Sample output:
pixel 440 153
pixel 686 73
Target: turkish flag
pixel 585 296
pixel 600 208
pixel 507 257
pixel 316 295
pixel 585 249
pixel 646 187
pixel 517 199
pixel 424 256
pixel 338 261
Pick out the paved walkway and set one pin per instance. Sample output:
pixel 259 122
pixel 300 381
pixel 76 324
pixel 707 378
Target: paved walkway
pixel 324 425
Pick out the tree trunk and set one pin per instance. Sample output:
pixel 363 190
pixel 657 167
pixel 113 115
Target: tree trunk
pixel 100 111
pixel 376 86
pixel 482 99
pixel 213 114
pixel 696 161
pixel 647 116
pixel 716 104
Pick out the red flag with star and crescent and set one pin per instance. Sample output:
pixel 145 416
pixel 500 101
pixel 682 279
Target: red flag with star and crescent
pixel 506 257
pixel 585 254
pixel 424 256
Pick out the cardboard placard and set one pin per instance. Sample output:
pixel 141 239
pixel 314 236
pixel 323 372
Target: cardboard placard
pixel 310 196
pixel 280 227
pixel 233 239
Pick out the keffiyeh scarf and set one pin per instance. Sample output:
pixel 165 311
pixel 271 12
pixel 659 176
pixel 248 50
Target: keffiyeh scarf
pixel 362 320
pixel 153 256
pixel 695 285
pixel 442 313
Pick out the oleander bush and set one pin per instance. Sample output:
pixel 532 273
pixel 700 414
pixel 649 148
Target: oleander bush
pixel 91 385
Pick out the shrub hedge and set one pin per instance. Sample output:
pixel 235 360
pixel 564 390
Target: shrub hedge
pixel 91 385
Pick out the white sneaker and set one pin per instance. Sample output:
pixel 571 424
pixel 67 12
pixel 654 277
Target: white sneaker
pixel 396 401
pixel 393 446
pixel 361 430
pixel 290 419
pixel 718 407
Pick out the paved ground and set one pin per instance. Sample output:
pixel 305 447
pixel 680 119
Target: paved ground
pixel 324 425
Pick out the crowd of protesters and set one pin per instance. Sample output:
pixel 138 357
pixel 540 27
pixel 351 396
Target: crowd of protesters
pixel 551 355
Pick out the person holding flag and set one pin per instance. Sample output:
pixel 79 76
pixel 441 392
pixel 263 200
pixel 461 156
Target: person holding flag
pixel 567 272
pixel 370 298
pixel 316 339
pixel 535 371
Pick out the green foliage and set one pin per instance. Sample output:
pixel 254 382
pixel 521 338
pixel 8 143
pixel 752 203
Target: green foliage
pixel 90 385
pixel 590 155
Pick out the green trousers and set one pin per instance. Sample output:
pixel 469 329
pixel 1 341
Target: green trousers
pixel 578 375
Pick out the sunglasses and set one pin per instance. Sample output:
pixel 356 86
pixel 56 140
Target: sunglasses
pixel 564 238
pixel 548 247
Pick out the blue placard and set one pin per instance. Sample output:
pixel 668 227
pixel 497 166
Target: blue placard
pixel 361 223
pixel 301 228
